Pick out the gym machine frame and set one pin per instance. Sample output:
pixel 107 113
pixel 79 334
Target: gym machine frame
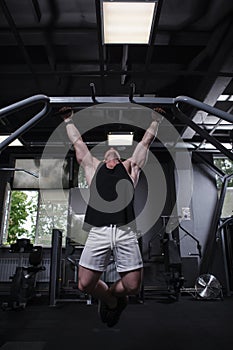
pixel 55 273
pixel 91 100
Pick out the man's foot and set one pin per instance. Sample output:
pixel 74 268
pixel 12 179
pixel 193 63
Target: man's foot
pixel 113 315
pixel 103 311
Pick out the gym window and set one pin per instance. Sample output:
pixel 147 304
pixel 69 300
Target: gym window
pixel 31 211
pixel 33 215
pixel 226 165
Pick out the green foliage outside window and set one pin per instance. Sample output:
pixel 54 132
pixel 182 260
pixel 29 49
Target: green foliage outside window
pixel 51 215
pixel 23 208
pixel 226 165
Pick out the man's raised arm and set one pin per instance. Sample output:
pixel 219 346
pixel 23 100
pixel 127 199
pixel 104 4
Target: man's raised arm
pixel 140 153
pixel 83 155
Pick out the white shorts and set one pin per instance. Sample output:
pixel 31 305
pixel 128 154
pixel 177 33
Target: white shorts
pixel 102 242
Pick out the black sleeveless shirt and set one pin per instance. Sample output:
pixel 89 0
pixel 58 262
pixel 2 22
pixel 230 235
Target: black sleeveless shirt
pixel 111 198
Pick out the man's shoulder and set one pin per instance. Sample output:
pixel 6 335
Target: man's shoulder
pixel 128 163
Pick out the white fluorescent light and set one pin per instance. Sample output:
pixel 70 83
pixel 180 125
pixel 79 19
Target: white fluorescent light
pixel 120 139
pixel 13 143
pixel 212 147
pixel 127 22
pixel 223 98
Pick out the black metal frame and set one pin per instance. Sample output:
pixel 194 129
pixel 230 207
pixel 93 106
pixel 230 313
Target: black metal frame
pixel 55 280
pixel 225 260
pixel 208 254
pixel 90 100
pixel 215 226
pixel 20 105
pixel 55 267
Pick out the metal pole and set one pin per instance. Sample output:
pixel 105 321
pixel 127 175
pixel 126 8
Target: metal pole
pixel 19 169
pixel 55 266
pixel 24 103
pixel 210 165
pixel 209 249
pixel 111 99
pixel 204 107
pixel 225 263
pixel 145 100
pixel 183 117
pixel 121 99
pixel 19 105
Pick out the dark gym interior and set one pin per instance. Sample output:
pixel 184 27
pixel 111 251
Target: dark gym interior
pixel 54 53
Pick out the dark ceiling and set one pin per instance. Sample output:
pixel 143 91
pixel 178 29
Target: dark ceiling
pixel 53 47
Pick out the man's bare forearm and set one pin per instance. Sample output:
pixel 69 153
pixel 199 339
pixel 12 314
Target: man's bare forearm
pixel 72 132
pixel 82 153
pixel 152 130
pixel 141 151
pixel 150 133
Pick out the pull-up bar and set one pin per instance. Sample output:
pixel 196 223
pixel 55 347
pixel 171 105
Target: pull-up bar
pixel 165 101
pixel 90 100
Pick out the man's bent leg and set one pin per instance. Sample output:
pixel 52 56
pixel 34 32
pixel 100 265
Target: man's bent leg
pixel 89 282
pixel 129 284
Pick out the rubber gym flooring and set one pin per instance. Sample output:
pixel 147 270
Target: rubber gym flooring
pixel 158 323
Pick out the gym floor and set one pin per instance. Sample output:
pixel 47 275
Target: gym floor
pixel 158 323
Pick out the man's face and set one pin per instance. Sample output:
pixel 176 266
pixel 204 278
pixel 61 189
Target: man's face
pixel 111 158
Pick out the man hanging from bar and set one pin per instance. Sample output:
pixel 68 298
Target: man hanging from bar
pixel 110 220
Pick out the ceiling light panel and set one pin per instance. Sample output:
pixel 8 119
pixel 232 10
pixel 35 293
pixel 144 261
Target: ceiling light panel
pixel 127 22
pixel 120 139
